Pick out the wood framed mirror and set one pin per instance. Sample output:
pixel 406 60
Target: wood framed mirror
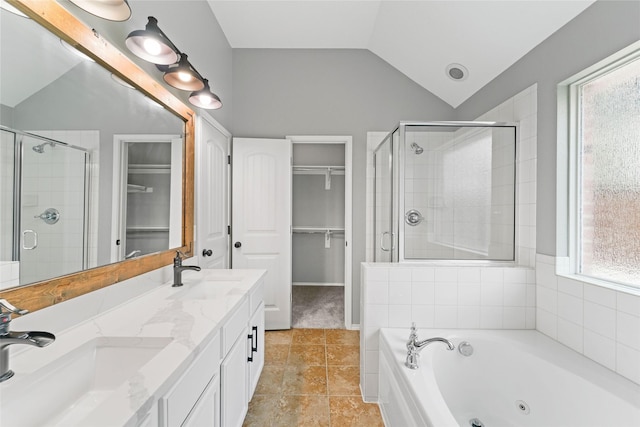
pixel 60 22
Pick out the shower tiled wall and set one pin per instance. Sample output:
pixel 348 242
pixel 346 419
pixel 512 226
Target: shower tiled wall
pixel 603 324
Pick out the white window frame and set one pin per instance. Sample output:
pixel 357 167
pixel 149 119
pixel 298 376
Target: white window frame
pixel 568 170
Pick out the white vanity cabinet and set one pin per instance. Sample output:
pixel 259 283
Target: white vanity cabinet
pixel 243 363
pixel 195 395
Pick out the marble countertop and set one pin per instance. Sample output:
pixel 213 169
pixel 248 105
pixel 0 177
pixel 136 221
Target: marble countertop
pixel 176 324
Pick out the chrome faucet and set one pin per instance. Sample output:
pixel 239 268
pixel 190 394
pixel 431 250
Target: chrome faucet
pixel 178 268
pixel 7 338
pixel 414 346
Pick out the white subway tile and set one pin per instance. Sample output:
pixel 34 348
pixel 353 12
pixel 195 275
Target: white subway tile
pixel 446 293
pixel 571 287
pixel 530 317
pixel 600 319
pixel 377 316
pixel 570 334
pixel 492 275
pixel 600 295
pixel 469 293
pixel 378 274
pixel 376 293
pixel 547 299
pixel 446 316
pixel 371 337
pixel 514 318
pixel 423 274
pixel 371 387
pixel 515 294
pixel 491 294
pixel 446 274
pixel 600 348
pixel 423 315
pixel 547 323
pixel 469 317
pixel 628 330
pixel 399 274
pixel 491 317
pixel 628 363
pixel 531 295
pixel 628 303
pixel 570 308
pixel 468 274
pixel 423 293
pixel 515 275
pixel 546 276
pixel 399 316
pixel 400 292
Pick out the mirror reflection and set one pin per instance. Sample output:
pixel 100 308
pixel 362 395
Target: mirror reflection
pixel 91 170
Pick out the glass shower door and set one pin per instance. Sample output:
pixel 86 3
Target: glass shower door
pixel 52 209
pixel 383 213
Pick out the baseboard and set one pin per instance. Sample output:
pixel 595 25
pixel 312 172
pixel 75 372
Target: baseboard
pixel 316 284
pixel 353 327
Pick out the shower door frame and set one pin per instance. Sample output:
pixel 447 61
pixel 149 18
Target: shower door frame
pixel 400 151
pixel 18 144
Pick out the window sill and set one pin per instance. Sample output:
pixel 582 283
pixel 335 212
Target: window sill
pixel 618 287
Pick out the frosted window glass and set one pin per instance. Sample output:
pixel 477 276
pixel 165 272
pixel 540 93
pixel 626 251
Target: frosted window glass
pixel 610 175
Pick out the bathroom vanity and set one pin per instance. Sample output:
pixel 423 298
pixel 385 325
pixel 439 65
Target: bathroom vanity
pixel 187 356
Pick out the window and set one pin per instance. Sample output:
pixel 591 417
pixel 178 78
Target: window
pixel 604 129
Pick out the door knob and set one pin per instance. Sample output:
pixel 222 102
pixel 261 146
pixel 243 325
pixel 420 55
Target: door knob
pixel 207 252
pixel 237 244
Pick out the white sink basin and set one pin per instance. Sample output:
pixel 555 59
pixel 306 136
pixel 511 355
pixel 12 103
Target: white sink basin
pixel 209 289
pixel 66 390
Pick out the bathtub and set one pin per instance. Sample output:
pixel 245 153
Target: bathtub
pixel 513 378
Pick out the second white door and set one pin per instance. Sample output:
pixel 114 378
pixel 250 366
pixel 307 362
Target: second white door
pixel 261 219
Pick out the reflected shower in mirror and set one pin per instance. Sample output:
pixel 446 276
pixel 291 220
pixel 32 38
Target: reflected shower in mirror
pixel 63 182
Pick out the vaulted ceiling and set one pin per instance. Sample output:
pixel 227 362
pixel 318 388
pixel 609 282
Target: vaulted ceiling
pixel 420 38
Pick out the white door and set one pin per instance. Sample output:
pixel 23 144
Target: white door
pixel 261 219
pixel 212 203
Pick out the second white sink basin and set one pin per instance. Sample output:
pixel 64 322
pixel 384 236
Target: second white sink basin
pixel 66 390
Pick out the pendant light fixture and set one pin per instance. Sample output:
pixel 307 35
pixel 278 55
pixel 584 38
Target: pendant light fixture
pixel 204 98
pixel 112 10
pixel 152 45
pixel 183 76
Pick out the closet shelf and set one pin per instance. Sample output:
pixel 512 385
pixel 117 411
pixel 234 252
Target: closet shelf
pixel 132 188
pixel 327 171
pixel 327 231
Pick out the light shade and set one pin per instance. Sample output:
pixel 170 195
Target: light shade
pixel 204 98
pixel 183 76
pixel 152 45
pixel 113 10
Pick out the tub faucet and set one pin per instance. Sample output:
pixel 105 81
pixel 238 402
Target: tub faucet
pixel 7 338
pixel 178 268
pixel 414 346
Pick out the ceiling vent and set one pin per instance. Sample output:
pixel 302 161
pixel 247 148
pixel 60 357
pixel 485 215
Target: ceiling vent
pixel 457 72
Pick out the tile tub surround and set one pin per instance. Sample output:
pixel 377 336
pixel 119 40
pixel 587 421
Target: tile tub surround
pixel 311 377
pixel 600 323
pixel 190 324
pixel 469 297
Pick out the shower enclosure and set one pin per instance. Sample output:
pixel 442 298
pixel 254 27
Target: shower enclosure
pixel 44 205
pixel 446 191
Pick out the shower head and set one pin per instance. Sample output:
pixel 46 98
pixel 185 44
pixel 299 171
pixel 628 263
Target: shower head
pixel 416 148
pixel 40 148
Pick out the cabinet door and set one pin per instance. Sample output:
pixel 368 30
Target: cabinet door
pixel 256 325
pixel 206 412
pixel 234 393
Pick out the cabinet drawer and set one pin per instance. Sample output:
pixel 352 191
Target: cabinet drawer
pixel 178 402
pixel 256 296
pixel 234 326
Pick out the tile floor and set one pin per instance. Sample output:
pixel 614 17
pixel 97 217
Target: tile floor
pixel 311 378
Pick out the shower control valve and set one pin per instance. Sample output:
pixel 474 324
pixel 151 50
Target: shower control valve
pixel 50 216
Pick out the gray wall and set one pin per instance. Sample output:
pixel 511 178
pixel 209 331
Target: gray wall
pixel 6 116
pixel 278 92
pixel 601 30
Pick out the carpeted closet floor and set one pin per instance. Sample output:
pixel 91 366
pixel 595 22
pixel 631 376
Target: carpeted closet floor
pixel 317 307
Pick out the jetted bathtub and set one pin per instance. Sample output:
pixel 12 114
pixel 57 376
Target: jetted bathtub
pixel 513 378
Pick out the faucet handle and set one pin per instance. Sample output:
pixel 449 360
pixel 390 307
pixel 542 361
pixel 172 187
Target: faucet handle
pixel 10 308
pixel 414 332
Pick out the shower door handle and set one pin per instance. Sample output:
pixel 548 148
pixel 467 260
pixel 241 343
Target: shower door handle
pixel 382 241
pixel 24 240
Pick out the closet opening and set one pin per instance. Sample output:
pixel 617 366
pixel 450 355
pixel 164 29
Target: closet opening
pixel 321 232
